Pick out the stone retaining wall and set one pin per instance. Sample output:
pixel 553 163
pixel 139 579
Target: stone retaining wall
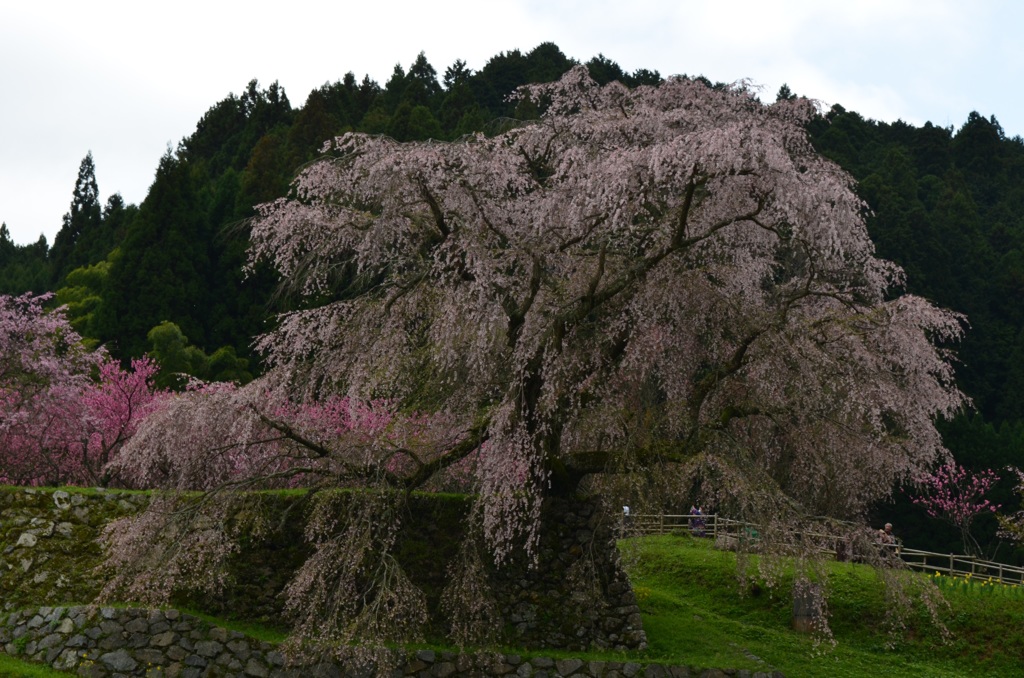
pixel 49 555
pixel 543 606
pixel 48 548
pixel 104 642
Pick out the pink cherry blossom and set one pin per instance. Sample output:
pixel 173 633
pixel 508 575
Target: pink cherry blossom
pixel 66 411
pixel 956 495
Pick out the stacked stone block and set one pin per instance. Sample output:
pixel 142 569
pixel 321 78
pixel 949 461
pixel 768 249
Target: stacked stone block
pixel 106 642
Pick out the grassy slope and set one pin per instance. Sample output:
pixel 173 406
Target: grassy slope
pixel 688 594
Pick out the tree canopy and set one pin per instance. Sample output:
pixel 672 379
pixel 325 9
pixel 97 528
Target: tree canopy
pixel 667 272
pixel 655 291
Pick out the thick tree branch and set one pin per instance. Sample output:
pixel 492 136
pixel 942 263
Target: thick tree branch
pixel 435 210
pixel 475 437
pixel 322 452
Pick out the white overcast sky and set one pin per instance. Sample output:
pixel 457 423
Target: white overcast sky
pixel 126 79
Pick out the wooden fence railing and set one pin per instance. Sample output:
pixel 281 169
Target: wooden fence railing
pixel 954 565
pixel 649 523
pixel 714 526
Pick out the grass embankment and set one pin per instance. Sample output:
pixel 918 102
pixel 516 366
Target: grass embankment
pixel 693 613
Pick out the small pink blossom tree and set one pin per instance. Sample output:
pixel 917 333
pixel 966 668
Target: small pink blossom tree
pixel 43 369
pixel 66 411
pixel 113 407
pixel 644 291
pixel 954 494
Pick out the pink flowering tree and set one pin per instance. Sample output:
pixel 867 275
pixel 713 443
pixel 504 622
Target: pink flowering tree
pixel 645 291
pixel 113 406
pixel 954 494
pixel 66 411
pixel 43 370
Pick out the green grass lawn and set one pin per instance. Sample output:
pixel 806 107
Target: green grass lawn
pixel 15 668
pixel 694 614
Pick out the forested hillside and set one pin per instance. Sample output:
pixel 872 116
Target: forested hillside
pixel 166 277
pixel 948 206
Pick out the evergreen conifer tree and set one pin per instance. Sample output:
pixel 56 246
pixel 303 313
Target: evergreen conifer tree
pixel 83 217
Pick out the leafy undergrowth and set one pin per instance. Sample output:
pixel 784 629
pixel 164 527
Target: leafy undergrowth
pixel 693 613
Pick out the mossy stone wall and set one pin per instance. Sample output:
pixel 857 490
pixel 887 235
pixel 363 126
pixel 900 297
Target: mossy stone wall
pixel 48 548
pixel 576 597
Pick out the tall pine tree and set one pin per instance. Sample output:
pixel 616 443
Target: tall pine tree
pixel 84 218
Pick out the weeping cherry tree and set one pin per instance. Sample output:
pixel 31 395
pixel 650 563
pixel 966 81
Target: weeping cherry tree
pixel 658 293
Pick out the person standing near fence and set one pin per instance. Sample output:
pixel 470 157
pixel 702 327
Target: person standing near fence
pixel 885 535
pixel 697 522
pixel 888 541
